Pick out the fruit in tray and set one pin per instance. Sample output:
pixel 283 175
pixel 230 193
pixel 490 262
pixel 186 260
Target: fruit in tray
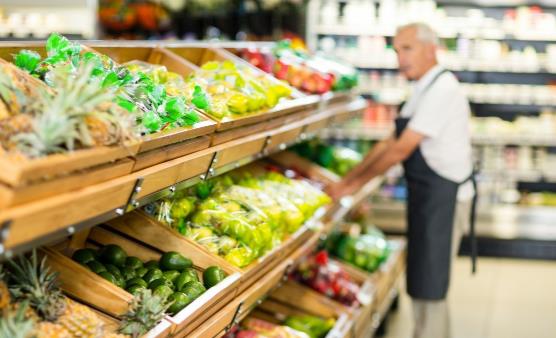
pixel 172 277
pixel 311 73
pixel 366 251
pixel 32 305
pixel 315 327
pixel 236 90
pixel 240 217
pixel 154 107
pixel 339 160
pixel 79 114
pixel 327 278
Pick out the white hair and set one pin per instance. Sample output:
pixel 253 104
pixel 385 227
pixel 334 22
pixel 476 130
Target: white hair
pixel 424 32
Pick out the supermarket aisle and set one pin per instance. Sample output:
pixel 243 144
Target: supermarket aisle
pixel 506 299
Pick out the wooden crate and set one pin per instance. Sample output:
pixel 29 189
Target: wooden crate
pixel 144 228
pixel 200 55
pixel 251 297
pixel 174 63
pixel 81 283
pixel 274 311
pixel 385 280
pixel 294 292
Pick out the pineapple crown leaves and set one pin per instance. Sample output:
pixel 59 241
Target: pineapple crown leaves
pixel 62 121
pixel 145 311
pixel 32 281
pixel 16 325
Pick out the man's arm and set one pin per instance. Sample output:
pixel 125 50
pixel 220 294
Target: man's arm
pixel 375 153
pixel 388 154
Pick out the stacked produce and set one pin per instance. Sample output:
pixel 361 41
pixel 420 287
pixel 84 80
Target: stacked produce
pixel 172 278
pixel 154 106
pixel 339 160
pixel 36 120
pixel 311 73
pixel 366 251
pixel 240 217
pixel 235 90
pixel 32 305
pixel 328 278
pixel 314 327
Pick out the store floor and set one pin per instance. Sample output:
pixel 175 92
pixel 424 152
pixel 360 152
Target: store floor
pixel 506 299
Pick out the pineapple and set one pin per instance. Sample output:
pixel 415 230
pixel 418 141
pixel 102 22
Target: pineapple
pixel 16 325
pixel 50 330
pixel 81 321
pixel 145 311
pixel 13 125
pixel 31 280
pixel 82 113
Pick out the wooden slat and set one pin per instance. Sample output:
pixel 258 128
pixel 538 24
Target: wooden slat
pixel 16 172
pixel 306 167
pixel 40 218
pixel 235 133
pixel 168 173
pixel 80 283
pixel 170 152
pixel 308 300
pixel 176 135
pixel 33 191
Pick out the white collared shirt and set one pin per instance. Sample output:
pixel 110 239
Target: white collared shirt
pixel 442 115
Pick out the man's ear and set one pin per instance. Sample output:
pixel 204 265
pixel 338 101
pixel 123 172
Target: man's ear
pixel 433 50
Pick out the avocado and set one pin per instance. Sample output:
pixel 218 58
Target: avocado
pixel 96 267
pixel 84 256
pixel 133 262
pixel 158 282
pixel 136 281
pixel 152 275
pixel 113 254
pixel 174 261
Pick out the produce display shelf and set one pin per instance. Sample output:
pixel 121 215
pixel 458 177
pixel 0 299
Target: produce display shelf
pixel 39 222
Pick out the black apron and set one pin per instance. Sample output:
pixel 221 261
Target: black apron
pixel 430 217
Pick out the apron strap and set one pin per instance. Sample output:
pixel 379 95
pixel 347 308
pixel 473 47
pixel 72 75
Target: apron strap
pixel 472 232
pixel 472 220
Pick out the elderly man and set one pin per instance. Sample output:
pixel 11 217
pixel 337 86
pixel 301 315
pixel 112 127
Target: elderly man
pixel 432 140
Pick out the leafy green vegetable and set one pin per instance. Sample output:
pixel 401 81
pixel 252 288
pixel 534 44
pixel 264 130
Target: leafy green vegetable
pixel 27 60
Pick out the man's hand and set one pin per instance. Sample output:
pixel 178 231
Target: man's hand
pixel 339 189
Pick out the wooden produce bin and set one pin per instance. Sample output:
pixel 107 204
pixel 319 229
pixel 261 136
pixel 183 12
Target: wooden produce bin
pixel 274 311
pixel 386 280
pixel 253 296
pixel 174 142
pixel 144 228
pixel 82 284
pixel 22 179
pixel 230 128
pixel 293 292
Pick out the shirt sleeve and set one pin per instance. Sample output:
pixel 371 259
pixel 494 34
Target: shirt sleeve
pixel 434 111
